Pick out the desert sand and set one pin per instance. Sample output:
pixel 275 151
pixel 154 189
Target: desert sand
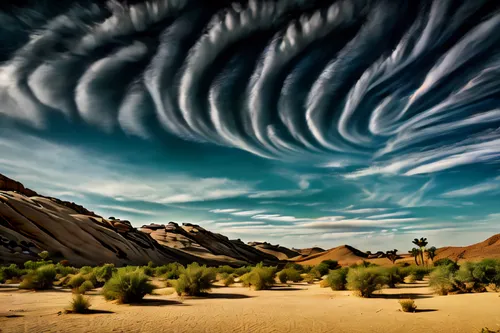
pixel 286 308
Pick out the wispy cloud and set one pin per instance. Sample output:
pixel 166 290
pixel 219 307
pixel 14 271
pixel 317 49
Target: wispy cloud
pixel 129 210
pixel 472 190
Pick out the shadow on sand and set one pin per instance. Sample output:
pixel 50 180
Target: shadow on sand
pixel 402 296
pixel 220 296
pixel 159 302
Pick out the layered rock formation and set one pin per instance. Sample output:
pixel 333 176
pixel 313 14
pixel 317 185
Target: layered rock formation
pixel 198 241
pixel 277 251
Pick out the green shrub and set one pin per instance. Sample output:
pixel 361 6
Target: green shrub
pixel 418 272
pixel 85 286
pixel 228 281
pixel 320 270
pixel 242 270
pixel 408 305
pixel 441 280
pixel 75 281
pixel 308 278
pixel 295 266
pixel 170 271
pixel 64 270
pixel 80 304
pixel 86 269
pixel 289 274
pixel 33 265
pixel 11 272
pixel 44 255
pixel 195 280
pixel 337 279
pixel 364 281
pixel 127 287
pixel 332 264
pixel 411 278
pixel 260 277
pixel 364 264
pixel 446 262
pixel 393 275
pixel 39 279
pixel 225 269
pixel 103 273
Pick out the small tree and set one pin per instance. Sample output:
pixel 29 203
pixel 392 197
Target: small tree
pixel 431 253
pixel 392 256
pixel 421 243
pixel 415 253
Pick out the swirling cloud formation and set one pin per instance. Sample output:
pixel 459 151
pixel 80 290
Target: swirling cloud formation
pixel 404 87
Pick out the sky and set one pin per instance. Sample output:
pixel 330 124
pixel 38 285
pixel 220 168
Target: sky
pixel 300 123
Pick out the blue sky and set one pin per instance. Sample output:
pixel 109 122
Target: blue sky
pixel 299 123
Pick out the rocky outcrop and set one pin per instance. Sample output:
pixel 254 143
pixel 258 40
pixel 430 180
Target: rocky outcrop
pixel 7 184
pixel 280 252
pixel 198 241
pixel 29 225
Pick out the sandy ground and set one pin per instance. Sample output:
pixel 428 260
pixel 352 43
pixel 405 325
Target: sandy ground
pixel 294 308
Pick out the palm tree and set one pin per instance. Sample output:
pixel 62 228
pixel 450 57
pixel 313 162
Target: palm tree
pixel 414 253
pixel 431 253
pixel 421 243
pixel 392 255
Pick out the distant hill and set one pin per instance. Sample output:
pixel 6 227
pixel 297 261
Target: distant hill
pixel 31 223
pixel 489 248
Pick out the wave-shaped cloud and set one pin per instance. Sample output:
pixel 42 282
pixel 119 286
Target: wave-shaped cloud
pixel 408 87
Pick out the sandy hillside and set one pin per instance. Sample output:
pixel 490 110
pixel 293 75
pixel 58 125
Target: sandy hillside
pixel 277 251
pixel 489 248
pixel 298 308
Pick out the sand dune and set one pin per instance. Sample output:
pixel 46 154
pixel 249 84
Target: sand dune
pixel 277 251
pixel 298 308
pixel 489 248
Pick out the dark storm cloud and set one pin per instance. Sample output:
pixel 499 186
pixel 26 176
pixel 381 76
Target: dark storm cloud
pixel 410 87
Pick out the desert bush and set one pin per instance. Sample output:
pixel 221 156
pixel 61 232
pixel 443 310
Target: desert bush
pixel 242 270
pixel 65 270
pixel 86 270
pixel 364 264
pixel 33 265
pixel 332 264
pixel 337 279
pixel 127 287
pixel 407 305
pixel 260 277
pixel 474 277
pixel 446 262
pixel 441 280
pixel 39 279
pixel 170 271
pixel 289 274
pixel 75 281
pixel 103 273
pixel 195 280
pixel 308 278
pixel 228 281
pixel 307 268
pixel 225 269
pixel 295 266
pixel 320 270
pixel 410 279
pixel 85 286
pixel 418 272
pixel 80 304
pixel 364 281
pixel 44 255
pixel 11 272
pixel 393 275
